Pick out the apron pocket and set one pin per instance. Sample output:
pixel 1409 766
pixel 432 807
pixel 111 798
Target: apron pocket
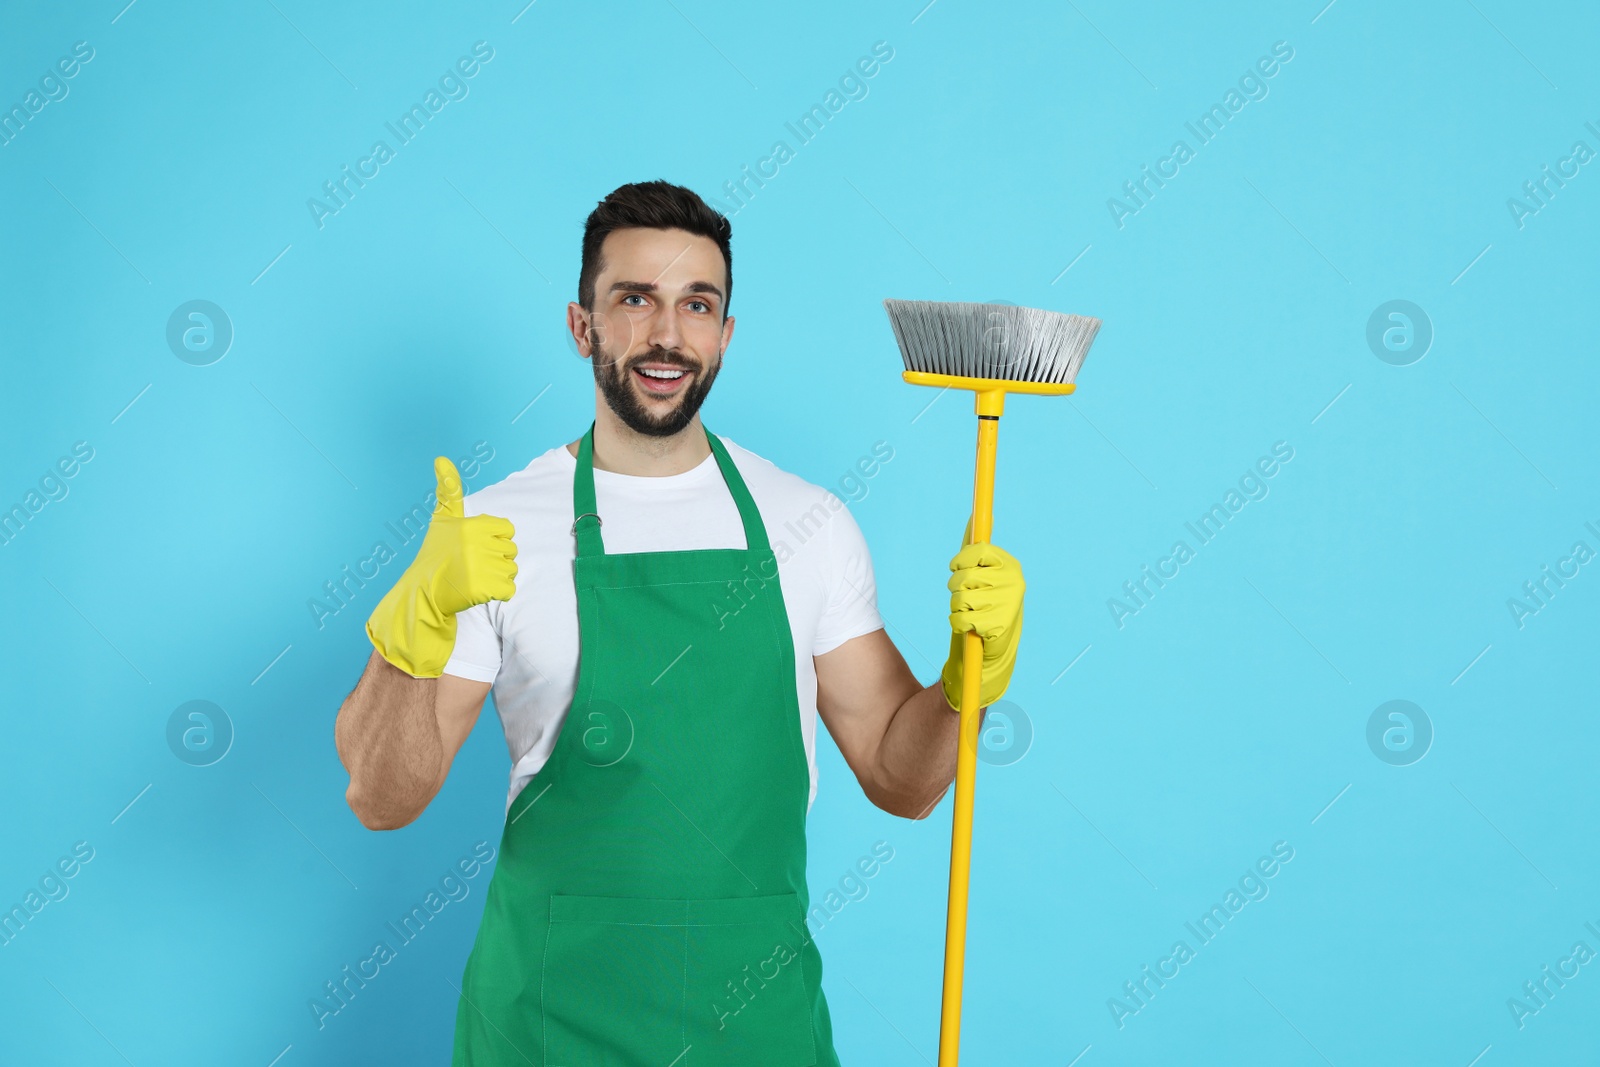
pixel 746 993
pixel 715 982
pixel 612 990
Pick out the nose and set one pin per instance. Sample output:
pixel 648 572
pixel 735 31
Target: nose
pixel 665 330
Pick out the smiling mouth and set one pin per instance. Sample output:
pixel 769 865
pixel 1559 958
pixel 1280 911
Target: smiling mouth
pixel 660 380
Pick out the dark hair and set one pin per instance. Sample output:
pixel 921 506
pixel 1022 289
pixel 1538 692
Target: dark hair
pixel 655 205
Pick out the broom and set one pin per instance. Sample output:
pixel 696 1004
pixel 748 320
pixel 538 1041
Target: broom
pixel 992 349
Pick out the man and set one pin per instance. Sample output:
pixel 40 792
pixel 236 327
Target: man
pixel 648 907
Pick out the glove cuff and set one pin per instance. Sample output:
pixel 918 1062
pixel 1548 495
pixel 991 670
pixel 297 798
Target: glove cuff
pixel 950 677
pixel 409 631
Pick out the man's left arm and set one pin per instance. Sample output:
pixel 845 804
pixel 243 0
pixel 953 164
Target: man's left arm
pixel 898 736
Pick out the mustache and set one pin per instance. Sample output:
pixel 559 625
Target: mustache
pixel 661 355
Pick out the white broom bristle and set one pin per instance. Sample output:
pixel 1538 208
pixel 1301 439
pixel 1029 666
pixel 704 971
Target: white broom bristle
pixel 998 341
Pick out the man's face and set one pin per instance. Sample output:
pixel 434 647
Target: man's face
pixel 657 334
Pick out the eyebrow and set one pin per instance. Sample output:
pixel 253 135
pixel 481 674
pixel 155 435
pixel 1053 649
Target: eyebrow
pixel 650 287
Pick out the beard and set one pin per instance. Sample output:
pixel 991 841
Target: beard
pixel 615 379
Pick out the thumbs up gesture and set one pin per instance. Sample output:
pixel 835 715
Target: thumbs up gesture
pixel 463 561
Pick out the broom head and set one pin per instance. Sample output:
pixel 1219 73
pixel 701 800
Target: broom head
pixel 990 348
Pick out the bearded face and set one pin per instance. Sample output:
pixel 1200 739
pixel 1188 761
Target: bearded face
pixel 657 392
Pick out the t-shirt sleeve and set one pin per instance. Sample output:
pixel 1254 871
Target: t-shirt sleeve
pixel 852 593
pixel 477 652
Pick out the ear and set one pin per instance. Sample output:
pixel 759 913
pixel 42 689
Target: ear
pixel 578 324
pixel 727 335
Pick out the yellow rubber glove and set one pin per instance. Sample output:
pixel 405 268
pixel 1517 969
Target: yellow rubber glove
pixel 986 597
pixel 462 562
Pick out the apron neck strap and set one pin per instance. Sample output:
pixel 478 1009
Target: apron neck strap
pixel 587 522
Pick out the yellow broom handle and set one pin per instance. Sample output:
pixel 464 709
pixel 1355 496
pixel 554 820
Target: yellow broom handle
pixel 955 934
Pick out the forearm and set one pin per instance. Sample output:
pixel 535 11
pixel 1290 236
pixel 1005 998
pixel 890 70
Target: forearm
pixel 916 760
pixel 387 734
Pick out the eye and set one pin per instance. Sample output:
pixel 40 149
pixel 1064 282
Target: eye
pixel 635 296
pixel 700 305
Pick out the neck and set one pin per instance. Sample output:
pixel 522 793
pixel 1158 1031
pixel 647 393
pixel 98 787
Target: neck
pixel 623 450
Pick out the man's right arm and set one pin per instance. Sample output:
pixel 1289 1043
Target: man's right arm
pixel 397 736
pixel 399 730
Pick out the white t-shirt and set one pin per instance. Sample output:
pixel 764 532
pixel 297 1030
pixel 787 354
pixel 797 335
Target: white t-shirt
pixel 528 645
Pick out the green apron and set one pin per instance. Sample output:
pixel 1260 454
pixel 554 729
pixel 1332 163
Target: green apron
pixel 648 907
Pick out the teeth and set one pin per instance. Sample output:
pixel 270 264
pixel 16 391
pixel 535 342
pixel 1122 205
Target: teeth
pixel 667 374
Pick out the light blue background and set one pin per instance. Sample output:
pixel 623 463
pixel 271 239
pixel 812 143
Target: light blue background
pixel 1223 717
